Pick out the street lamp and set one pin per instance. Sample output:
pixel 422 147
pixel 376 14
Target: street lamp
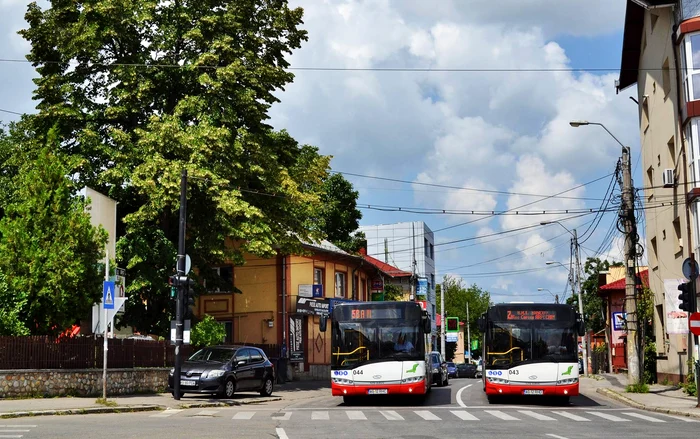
pixel 556 296
pixel 578 123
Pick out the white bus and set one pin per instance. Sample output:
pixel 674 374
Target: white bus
pixel 531 349
pixel 379 348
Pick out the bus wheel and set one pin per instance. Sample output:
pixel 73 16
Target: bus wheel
pixel 493 399
pixel 350 400
pixel 563 400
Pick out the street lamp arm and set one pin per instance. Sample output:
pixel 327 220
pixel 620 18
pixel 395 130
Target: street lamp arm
pixel 578 123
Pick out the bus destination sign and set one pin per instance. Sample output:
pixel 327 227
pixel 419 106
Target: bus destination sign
pixel 531 314
pixel 369 314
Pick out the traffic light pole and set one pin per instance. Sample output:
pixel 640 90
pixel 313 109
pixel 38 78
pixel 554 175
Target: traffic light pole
pixel 179 323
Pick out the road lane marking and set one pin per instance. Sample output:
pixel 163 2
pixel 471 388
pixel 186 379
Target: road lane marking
pixel 459 395
pixel 243 415
pixel 17 426
pixel 556 436
pixel 166 413
pixel 608 417
pixel 207 412
pixel 428 416
pixel 641 416
pixel 500 415
pixel 536 415
pixel 10 435
pixel 320 416
pixel 284 417
pixel 356 415
pixel 464 416
pixel 281 434
pixel 682 418
pixel 572 416
pixel 391 415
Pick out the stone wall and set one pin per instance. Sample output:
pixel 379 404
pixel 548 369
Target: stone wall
pixel 81 382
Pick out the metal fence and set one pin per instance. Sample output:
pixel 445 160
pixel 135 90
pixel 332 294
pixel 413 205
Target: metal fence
pixel 43 352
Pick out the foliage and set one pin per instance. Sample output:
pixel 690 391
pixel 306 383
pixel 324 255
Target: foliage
pixel 392 293
pixel 690 386
pixel 637 388
pixel 208 332
pixel 10 306
pixel 340 214
pixel 645 311
pixel 142 90
pixel 49 251
pixel 456 298
pixel 594 315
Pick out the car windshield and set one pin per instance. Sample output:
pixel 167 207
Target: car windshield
pixel 450 365
pixel 213 354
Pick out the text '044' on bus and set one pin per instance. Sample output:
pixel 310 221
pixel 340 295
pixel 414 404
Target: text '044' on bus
pixel 531 349
pixel 379 348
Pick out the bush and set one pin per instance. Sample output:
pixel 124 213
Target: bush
pixel 207 332
pixel 637 388
pixel 690 386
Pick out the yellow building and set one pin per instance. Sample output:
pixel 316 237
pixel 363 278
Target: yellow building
pixel 283 297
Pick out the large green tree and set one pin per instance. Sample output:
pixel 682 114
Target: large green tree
pixel 49 250
pixel 593 311
pixel 457 295
pixel 142 89
pixel 341 218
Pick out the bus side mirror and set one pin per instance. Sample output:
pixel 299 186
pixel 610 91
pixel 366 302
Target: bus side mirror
pixel 481 323
pixel 427 328
pixel 322 323
pixel 581 327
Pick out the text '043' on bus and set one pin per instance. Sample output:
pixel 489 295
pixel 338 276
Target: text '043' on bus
pixel 379 348
pixel 531 349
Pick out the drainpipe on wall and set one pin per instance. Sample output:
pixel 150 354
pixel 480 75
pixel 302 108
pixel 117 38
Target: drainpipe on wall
pixel 285 348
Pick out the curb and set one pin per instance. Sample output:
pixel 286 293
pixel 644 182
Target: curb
pixel 129 409
pixel 623 399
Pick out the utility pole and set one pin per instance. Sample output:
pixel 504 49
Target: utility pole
pixel 414 280
pixel 179 318
pixel 633 363
pixel 443 324
pixel 469 338
pixel 577 277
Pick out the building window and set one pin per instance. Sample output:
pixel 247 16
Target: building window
pixel 666 78
pixel 690 63
pixel 432 280
pixel 340 285
pixel 672 152
pixel 654 253
pixel 225 282
pixel 677 235
pixel 318 276
pixel 426 247
pixel 432 252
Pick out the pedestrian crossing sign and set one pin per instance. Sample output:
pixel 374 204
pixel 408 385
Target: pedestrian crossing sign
pixel 108 295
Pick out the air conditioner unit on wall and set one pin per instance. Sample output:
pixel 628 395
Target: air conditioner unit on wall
pixel 668 179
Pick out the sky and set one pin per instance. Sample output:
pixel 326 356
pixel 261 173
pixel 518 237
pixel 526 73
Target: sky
pixel 492 134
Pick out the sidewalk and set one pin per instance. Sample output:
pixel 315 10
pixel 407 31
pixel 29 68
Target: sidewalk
pixel 663 399
pixel 290 391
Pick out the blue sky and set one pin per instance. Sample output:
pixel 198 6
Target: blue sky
pixel 490 131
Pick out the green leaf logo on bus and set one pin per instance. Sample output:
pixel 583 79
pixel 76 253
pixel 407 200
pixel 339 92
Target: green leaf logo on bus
pixel 568 371
pixel 413 369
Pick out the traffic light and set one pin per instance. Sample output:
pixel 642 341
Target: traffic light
pixel 452 324
pixel 684 296
pixel 189 299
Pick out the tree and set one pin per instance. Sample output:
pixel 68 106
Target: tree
pixel 340 214
pixel 208 332
pixel 456 298
pixel 144 89
pixel 49 251
pixel 392 293
pixel 593 311
pixel 10 307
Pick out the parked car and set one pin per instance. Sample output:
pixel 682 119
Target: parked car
pixel 451 370
pixel 580 366
pixel 466 370
pixel 225 370
pixel 438 368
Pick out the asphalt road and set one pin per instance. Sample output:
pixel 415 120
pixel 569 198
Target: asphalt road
pixel 460 410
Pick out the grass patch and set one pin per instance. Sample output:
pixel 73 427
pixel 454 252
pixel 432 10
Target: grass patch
pixel 637 388
pixel 106 402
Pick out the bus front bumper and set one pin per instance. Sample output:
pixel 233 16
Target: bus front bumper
pixel 416 388
pixel 531 389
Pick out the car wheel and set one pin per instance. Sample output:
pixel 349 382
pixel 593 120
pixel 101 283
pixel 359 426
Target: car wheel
pixel 267 387
pixel 229 388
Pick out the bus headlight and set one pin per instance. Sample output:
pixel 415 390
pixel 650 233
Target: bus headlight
pixel 567 381
pixel 411 380
pixel 497 380
pixel 342 381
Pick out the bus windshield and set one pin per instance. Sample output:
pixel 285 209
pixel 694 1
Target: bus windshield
pixel 509 344
pixel 360 342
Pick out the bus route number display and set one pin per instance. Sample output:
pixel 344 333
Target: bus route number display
pixel 367 314
pixel 531 314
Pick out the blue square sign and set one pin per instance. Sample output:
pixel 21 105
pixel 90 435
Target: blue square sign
pixel 108 295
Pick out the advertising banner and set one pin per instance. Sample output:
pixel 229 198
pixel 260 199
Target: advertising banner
pixel 676 320
pixel 313 307
pixel 422 289
pixel 296 336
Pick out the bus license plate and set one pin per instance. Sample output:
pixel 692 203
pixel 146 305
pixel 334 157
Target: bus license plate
pixel 533 392
pixel 377 391
pixel 188 383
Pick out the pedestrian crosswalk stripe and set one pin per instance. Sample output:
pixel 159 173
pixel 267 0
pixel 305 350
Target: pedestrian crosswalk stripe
pixel 207 412
pixel 428 416
pixel 609 417
pixel 319 416
pixel 284 417
pixel 500 415
pixel 572 416
pixel 166 413
pixel 536 415
pixel 244 415
pixel 645 417
pixel 391 415
pixel 683 418
pixel 356 415
pixel 464 416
